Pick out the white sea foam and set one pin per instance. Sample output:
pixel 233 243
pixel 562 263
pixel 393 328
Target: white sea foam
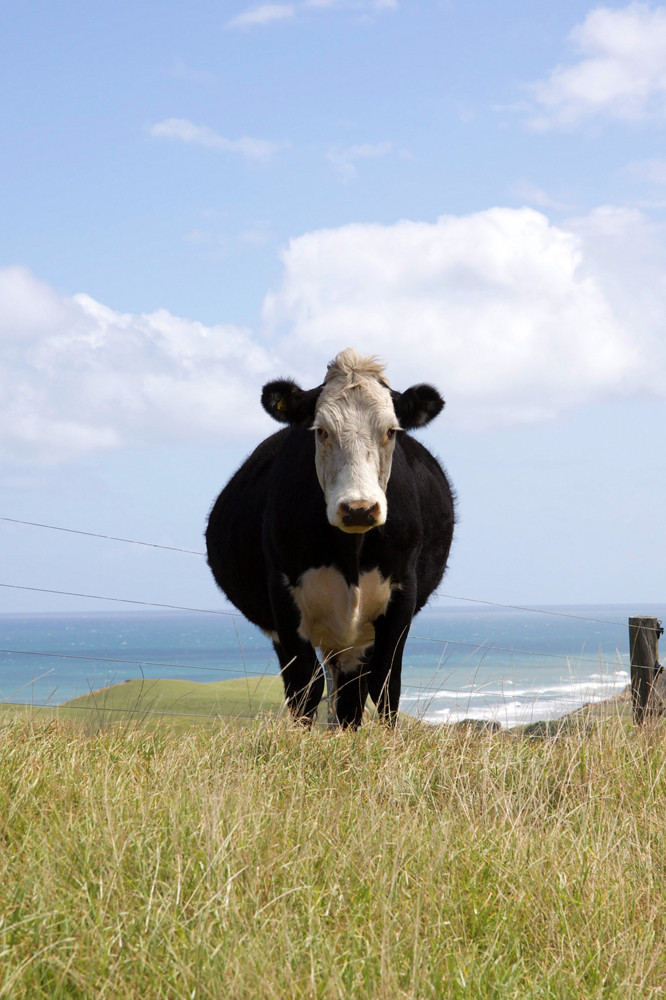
pixel 520 706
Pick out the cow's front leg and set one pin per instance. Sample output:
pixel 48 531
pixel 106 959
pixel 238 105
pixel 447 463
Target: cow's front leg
pixel 302 677
pixel 351 695
pixel 347 683
pixel 385 667
pixel 302 674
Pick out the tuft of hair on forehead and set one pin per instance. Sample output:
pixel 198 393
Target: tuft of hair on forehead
pixel 350 370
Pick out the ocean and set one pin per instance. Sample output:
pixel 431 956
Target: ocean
pixel 473 661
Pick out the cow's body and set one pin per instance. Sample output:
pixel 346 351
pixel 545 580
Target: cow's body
pixel 349 588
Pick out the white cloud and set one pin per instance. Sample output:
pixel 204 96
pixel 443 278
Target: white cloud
pixel 363 4
pixel 258 235
pixel 271 13
pixel 515 319
pixel 76 376
pixel 266 14
pixel 493 307
pixel 201 135
pixel 652 170
pixel 28 305
pixel 181 71
pixel 345 160
pixel 532 195
pixel 625 252
pixel 621 72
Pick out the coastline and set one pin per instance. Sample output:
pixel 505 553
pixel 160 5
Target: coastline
pixel 181 703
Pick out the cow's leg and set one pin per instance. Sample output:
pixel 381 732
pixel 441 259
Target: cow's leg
pixel 347 688
pixel 302 677
pixel 384 687
pixel 302 674
pixel 351 695
pixel 385 667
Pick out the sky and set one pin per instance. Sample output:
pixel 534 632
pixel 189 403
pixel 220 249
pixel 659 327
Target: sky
pixel 196 199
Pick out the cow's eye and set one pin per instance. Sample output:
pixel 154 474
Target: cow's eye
pixel 390 434
pixel 321 434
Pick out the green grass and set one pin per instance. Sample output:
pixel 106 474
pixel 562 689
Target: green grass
pixel 144 700
pixel 259 860
pixel 157 701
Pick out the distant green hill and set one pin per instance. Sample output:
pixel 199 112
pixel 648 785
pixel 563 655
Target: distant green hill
pixel 142 700
pixel 180 702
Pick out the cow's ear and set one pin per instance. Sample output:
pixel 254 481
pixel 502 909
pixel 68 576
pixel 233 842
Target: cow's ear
pixel 285 401
pixel 417 406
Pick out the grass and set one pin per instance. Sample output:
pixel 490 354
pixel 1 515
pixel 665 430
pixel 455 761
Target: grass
pixel 259 860
pixel 148 700
pixel 151 702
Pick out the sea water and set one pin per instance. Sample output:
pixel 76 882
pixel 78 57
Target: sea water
pixel 506 664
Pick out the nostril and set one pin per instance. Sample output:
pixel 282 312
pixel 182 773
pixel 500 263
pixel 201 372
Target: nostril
pixel 358 513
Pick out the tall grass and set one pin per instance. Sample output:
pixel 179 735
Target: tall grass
pixel 266 862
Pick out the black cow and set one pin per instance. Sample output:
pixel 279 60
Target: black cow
pixel 335 532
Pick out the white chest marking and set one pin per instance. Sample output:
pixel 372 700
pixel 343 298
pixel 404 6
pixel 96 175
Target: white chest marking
pixel 336 616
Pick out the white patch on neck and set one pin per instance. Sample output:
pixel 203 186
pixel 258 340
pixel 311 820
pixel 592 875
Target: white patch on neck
pixel 336 616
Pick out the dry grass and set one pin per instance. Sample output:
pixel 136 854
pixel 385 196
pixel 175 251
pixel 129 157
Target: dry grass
pixel 263 861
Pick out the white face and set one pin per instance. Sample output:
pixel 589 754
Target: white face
pixel 355 439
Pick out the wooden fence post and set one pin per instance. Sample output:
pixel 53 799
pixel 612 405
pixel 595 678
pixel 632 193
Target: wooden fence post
pixel 647 701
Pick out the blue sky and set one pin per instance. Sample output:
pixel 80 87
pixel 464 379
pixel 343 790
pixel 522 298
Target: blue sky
pixel 198 199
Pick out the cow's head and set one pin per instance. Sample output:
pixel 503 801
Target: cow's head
pixel 355 417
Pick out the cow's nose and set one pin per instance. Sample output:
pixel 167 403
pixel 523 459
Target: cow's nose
pixel 358 514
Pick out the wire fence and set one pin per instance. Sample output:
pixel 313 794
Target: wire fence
pixel 424 688
pixel 173 548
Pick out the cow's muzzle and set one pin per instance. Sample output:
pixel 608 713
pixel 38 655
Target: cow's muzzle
pixel 358 515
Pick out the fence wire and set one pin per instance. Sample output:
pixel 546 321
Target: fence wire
pixel 173 548
pixel 449 645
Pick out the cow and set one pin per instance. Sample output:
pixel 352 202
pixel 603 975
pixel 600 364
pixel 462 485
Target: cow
pixel 334 533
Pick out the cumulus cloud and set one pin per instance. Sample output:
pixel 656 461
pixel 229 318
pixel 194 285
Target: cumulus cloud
pixel 515 319
pixel 365 4
pixel 625 253
pixel 495 307
pixel 621 72
pixel 533 195
pixel 266 14
pixel 77 376
pixel 201 135
pixel 345 160
pixel 653 170
pixel 28 305
pixel 271 13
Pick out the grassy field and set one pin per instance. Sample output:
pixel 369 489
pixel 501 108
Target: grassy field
pixel 150 702
pixel 158 702
pixel 258 860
